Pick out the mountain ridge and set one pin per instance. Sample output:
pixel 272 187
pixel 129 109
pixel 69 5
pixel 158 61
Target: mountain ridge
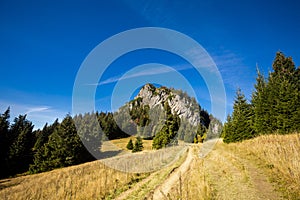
pixel 181 104
pixel 156 109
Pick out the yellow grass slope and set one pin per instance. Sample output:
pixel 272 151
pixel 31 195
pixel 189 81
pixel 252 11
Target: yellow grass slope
pixel 87 181
pixel 280 155
pixel 92 180
pixel 267 167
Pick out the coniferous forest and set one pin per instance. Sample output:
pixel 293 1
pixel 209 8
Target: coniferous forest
pixel 57 145
pixel 274 106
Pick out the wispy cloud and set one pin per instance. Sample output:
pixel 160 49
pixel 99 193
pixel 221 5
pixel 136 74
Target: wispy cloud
pixel 201 59
pixel 231 67
pixel 37 109
pixel 147 72
pixel 38 114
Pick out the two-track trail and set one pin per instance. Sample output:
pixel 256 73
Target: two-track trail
pixel 231 176
pixel 222 174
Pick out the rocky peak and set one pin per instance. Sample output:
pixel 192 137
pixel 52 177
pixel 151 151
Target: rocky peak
pixel 180 103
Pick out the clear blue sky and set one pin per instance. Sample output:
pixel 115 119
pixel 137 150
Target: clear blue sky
pixel 43 43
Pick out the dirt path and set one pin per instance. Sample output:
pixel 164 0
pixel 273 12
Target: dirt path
pixel 146 188
pixel 232 176
pixel 162 190
pixel 222 174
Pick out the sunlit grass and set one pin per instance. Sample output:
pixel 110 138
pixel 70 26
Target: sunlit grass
pixel 92 180
pixel 281 154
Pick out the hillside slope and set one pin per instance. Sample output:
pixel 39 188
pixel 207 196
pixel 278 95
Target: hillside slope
pixel 267 167
pixel 249 170
pixel 91 180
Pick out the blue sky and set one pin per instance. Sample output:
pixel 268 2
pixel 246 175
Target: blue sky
pixel 43 43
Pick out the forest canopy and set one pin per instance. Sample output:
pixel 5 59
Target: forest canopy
pixel 273 108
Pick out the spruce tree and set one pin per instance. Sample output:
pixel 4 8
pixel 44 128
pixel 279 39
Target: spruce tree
pixel 20 151
pixel 260 108
pixel 129 145
pixel 282 96
pixel 4 146
pixel 168 133
pixel 240 125
pixel 64 148
pixel 296 114
pixel 138 145
pixel 228 131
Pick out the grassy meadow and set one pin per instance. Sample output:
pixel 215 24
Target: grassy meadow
pixel 91 180
pixel 212 177
pixel 280 154
pixel 121 143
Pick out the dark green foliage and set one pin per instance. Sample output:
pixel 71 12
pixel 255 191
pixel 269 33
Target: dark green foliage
pixel 64 148
pixel 227 130
pixel 139 113
pixel 20 151
pixel 167 135
pixel 129 145
pixel 4 145
pixel 238 127
pixel 43 135
pixel 259 102
pixel 275 104
pixel 276 100
pixel 110 127
pixel 124 122
pixel 161 139
pixel 17 142
pixel 90 134
pixel 205 118
pixel 138 145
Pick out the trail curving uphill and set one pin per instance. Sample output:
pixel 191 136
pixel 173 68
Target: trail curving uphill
pixel 162 191
pixel 223 174
pixel 232 176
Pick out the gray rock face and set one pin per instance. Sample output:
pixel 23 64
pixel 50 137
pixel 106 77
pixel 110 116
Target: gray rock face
pixel 181 104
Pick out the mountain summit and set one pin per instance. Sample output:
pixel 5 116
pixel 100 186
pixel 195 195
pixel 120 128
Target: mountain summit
pixel 180 103
pixel 167 114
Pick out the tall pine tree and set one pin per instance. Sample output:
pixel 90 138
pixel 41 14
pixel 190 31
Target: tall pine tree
pixel 240 122
pixel 282 96
pixel 259 104
pixel 4 146
pixel 22 141
pixel 64 148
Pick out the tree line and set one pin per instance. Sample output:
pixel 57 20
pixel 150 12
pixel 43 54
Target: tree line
pixel 60 144
pixel 273 108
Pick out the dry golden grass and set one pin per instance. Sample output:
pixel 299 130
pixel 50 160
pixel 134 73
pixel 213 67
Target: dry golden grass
pixel 241 171
pixel 280 154
pixel 146 188
pixel 92 180
pixel 194 183
pixel 227 168
pixel 122 143
pixel 145 161
pixel 87 181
